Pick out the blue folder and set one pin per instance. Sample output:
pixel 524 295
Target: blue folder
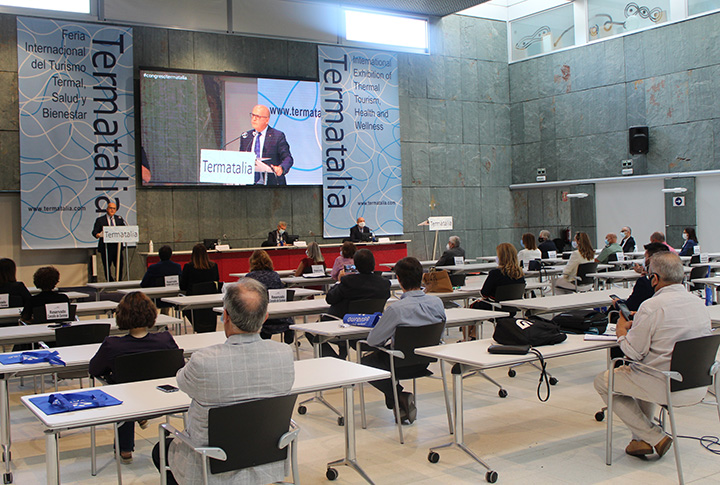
pixel 74 401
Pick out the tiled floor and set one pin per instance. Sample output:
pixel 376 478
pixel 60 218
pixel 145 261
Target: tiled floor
pixel 524 440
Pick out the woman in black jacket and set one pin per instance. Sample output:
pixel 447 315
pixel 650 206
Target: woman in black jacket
pixel 200 270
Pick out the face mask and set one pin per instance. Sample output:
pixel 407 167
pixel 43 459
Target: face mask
pixel 307 254
pixel 522 244
pixel 497 260
pixel 447 246
pixel 685 236
pixel 361 224
pixel 281 231
pixel 623 234
pixel 574 244
pixel 606 242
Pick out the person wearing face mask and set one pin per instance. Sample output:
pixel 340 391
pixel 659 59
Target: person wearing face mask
pixel 628 242
pixel 347 251
pixel 546 244
pixel 671 315
pixel 583 253
pixel 611 247
pixel 452 250
pixel 530 250
pixel 313 257
pixel 278 237
pixel 642 290
pixel 360 232
pixel 690 241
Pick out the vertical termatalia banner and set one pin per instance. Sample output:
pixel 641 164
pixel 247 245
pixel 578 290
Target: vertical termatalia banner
pixel 360 140
pixel 77 148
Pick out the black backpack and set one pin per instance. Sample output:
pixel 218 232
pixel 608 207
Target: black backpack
pixel 581 321
pixel 534 331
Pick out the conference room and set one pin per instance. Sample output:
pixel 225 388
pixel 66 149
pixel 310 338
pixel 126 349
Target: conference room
pixel 507 119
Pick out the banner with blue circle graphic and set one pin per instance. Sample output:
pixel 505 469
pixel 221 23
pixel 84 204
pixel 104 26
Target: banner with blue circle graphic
pixel 360 140
pixel 77 148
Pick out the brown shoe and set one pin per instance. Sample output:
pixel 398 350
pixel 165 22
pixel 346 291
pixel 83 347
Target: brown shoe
pixel 126 457
pixel 143 423
pixel 663 446
pixel 639 448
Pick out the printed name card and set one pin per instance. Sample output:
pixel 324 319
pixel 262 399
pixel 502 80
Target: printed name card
pixel 620 256
pixel 696 249
pixel 704 258
pixel 57 311
pixel 317 269
pixel 277 296
pixel 5 300
pixel 173 280
pixel 552 254
pixel 459 260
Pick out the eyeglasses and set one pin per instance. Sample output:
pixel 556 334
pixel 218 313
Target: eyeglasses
pixel 254 116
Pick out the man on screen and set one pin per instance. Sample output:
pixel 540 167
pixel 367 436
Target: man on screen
pixel 269 145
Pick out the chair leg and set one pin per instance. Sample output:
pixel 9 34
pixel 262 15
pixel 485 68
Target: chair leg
pixel 117 453
pixel 447 397
pixel 673 431
pixel 294 463
pixel 609 420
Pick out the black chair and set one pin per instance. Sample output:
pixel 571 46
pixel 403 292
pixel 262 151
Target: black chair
pixel 693 365
pixel 695 259
pixel 406 364
pixel 582 281
pixel 612 257
pixel 143 366
pixel 40 315
pixel 244 435
pixel 203 320
pixel 457 279
pixel 81 334
pixel 695 273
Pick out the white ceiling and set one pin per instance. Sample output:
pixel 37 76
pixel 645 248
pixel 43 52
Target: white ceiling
pixel 510 9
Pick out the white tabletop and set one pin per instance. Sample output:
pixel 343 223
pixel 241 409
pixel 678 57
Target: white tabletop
pixel 566 302
pixel 629 274
pixel 153 292
pixel 42 331
pixel 467 268
pixel 713 280
pixel 84 308
pixel 215 299
pixel 141 399
pixel 291 281
pixel 281 272
pixel 115 285
pixel 475 353
pixel 72 295
pixel 714 311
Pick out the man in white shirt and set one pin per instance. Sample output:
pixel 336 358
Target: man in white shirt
pixel 671 315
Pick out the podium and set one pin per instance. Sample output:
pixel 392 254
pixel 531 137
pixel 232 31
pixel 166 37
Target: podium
pixel 122 236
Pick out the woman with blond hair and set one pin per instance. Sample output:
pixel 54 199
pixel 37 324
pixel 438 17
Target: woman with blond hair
pixel 313 257
pixel 583 253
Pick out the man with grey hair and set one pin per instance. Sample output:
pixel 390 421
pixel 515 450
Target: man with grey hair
pixel 243 368
pixel 671 315
pixel 452 251
pixel 628 242
pixel 545 243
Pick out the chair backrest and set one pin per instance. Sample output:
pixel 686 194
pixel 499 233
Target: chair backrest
pixel 143 366
pixel 370 305
pixel 205 288
pixel 249 432
pixel 458 279
pixel 81 334
pixel 407 339
pixel 510 292
pixel 698 272
pixel 13 301
pixel 40 315
pixel 613 257
pixel 585 269
pixel 693 359
pixel 695 259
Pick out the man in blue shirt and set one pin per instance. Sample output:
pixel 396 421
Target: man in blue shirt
pixel 414 309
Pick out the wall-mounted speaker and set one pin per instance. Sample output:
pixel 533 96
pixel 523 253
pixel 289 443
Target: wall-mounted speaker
pixel 638 140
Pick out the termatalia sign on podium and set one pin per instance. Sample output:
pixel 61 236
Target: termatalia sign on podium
pixel 121 234
pixel 441 223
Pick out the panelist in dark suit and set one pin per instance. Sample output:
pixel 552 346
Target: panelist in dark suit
pixel 359 232
pixel 267 142
pixel 278 237
pixel 109 219
pixel 156 273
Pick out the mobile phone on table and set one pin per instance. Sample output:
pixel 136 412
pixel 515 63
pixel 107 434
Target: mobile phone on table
pixel 167 388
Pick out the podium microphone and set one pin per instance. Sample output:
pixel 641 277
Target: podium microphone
pixel 234 139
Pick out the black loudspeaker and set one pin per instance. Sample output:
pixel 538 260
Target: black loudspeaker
pixel 638 140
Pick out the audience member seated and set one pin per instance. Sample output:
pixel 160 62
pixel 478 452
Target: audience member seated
pixel 313 257
pixel 452 251
pixel 244 368
pixel 583 253
pixel 17 294
pixel 671 315
pixel 691 241
pixel 643 290
pixel 363 285
pixel 46 279
pixel 611 247
pixel 530 250
pixel 156 273
pixel 414 309
pixel 546 244
pixel 659 237
pixel 262 270
pixel 628 242
pixel 135 313
pixel 200 270
pixel 347 251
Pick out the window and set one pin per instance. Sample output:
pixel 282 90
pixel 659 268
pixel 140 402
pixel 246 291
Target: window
pixel 542 33
pixel 75 6
pixel 612 17
pixel 696 7
pixel 389 30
